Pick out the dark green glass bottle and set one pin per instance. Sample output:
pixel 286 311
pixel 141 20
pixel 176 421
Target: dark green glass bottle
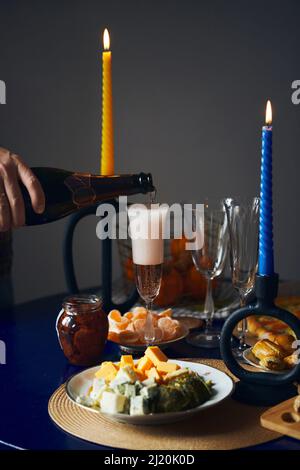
pixel 67 192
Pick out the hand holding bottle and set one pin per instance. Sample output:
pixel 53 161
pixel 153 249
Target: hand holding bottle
pixel 12 208
pixel 32 196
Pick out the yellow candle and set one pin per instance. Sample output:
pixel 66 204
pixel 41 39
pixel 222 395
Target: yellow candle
pixel 107 144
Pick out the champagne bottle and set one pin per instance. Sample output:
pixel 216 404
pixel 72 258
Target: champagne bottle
pixel 67 192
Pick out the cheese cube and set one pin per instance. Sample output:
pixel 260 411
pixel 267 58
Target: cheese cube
pixel 107 371
pixel 126 360
pixel 148 382
pixel 141 375
pixel 99 385
pixel 144 364
pixel 150 392
pixel 167 367
pixel 138 406
pixel 153 373
pixel 112 402
pixel 177 373
pixel 155 355
pixel 130 390
pixel 124 375
pixel 86 401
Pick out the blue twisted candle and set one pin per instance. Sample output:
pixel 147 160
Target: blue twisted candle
pixel 265 251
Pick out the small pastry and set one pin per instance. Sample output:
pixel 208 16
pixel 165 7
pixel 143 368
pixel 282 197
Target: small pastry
pixel 252 324
pixel 268 327
pixel 265 348
pixel 297 404
pixel 262 333
pixel 285 341
pixel 291 361
pixel 268 335
pixel 272 363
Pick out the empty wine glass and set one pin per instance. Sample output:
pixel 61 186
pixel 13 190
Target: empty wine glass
pixel 243 221
pixel 209 255
pixel 146 225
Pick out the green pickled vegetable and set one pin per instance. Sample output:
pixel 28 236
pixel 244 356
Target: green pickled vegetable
pixel 182 393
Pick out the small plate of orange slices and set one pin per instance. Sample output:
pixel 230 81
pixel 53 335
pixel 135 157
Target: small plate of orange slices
pixel 128 330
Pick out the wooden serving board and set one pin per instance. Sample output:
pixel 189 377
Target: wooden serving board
pixel 283 419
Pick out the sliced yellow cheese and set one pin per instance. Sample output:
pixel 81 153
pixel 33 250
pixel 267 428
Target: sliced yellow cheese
pixel 167 367
pixel 126 360
pixel 141 375
pixel 153 373
pixel 155 355
pixel 144 364
pixel 107 371
pixel 177 373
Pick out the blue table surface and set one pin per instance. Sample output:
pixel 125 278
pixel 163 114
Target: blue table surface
pixel 35 367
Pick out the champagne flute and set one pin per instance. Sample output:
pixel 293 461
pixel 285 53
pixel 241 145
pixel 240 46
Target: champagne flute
pixel 209 256
pixel 148 280
pixel 243 221
pixel 146 225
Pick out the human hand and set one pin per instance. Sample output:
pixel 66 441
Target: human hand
pixel 12 209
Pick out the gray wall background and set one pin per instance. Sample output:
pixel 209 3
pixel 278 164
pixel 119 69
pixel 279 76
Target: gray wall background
pixel 190 82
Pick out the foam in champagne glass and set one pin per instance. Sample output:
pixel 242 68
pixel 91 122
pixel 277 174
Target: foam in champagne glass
pixel 146 231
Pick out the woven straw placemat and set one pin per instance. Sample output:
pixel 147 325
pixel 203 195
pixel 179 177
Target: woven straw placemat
pixel 230 425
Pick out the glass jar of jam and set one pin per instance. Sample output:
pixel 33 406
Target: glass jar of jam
pixel 82 329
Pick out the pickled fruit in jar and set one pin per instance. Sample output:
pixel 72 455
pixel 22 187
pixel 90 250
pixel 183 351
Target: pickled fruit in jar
pixel 82 328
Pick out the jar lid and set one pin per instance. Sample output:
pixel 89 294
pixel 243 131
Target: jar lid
pixel 81 303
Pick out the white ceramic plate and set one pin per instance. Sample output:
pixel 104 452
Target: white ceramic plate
pixel 79 384
pixel 253 361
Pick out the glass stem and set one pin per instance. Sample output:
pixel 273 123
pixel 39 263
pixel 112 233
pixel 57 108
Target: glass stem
pixel 209 307
pixel 243 344
pixel 149 327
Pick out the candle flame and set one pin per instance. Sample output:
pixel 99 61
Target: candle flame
pixel 106 40
pixel 269 113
